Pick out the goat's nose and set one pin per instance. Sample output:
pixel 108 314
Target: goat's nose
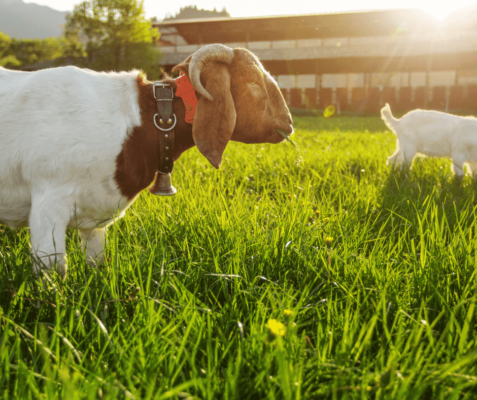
pixel 290 119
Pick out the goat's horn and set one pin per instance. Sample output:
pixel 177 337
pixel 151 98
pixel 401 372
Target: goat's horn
pixel 206 54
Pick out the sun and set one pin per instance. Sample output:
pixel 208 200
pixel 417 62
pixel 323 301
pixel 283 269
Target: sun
pixel 439 11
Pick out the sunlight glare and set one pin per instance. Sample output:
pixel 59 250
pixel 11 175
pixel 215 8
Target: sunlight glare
pixel 439 10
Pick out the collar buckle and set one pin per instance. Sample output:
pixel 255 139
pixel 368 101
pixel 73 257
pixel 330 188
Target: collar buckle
pixel 163 94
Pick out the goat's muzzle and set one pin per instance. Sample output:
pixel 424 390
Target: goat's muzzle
pixel 285 133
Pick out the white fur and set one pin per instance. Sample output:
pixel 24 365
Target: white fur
pixel 61 130
pixel 434 134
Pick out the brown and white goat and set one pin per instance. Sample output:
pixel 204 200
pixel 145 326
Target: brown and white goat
pixel 77 146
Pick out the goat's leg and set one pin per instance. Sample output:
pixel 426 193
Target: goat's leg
pixel 49 217
pixel 458 162
pixel 473 169
pixel 403 156
pixel 393 160
pixel 93 240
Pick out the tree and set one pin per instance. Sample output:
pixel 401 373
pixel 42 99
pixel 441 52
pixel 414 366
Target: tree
pixel 114 35
pixel 5 42
pixel 7 59
pixel 190 12
pixel 29 51
pixel 19 52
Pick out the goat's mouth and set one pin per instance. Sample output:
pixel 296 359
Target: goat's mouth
pixel 286 135
pixel 290 131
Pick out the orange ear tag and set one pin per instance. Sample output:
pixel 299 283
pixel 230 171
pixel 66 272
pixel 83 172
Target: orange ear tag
pixel 186 91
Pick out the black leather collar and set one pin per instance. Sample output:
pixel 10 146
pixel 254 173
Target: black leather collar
pixel 165 120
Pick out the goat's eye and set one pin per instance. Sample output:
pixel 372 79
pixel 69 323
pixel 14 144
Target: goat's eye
pixel 254 83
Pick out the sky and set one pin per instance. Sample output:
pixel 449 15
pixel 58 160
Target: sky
pixel 249 8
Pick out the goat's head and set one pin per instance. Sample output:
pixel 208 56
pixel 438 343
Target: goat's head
pixel 238 101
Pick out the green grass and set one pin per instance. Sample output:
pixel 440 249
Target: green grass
pixel 180 308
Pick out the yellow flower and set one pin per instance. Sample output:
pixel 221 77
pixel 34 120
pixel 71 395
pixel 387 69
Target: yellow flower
pixel 328 241
pixel 288 313
pixel 275 329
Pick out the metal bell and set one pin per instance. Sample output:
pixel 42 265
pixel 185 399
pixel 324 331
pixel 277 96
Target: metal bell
pixel 162 185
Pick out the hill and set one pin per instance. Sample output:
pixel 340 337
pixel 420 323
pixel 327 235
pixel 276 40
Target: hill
pixel 29 20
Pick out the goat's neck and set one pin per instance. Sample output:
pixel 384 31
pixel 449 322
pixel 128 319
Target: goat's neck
pixel 137 162
pixel 183 131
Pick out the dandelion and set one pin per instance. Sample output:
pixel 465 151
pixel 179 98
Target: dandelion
pixel 275 329
pixel 328 241
pixel 288 313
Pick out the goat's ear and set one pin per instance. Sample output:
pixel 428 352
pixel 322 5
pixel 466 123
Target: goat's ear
pixel 183 68
pixel 214 121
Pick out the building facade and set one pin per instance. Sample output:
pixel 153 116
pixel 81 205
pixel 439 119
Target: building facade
pixel 355 61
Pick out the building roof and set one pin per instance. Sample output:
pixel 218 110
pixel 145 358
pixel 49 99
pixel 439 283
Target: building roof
pixel 452 50
pixel 364 41
pixel 295 27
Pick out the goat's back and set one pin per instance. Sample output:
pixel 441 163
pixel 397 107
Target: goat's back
pixel 62 127
pixel 430 117
pixel 64 116
pixel 436 125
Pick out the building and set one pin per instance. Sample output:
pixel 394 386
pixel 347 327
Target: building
pixel 356 61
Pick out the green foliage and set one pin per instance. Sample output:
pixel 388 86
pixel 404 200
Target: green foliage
pixel 115 35
pixel 7 59
pixel 29 51
pixel 191 12
pixel 100 34
pixel 371 272
pixel 20 52
pixel 5 42
pixel 10 62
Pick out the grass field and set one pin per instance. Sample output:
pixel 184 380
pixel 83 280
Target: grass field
pixel 181 309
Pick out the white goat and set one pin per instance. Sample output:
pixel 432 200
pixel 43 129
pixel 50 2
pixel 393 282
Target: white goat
pixel 433 134
pixel 77 146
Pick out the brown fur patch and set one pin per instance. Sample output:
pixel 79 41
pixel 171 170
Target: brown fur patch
pixel 137 162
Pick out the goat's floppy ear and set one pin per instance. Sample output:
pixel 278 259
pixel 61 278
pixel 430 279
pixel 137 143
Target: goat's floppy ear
pixel 214 121
pixel 183 67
